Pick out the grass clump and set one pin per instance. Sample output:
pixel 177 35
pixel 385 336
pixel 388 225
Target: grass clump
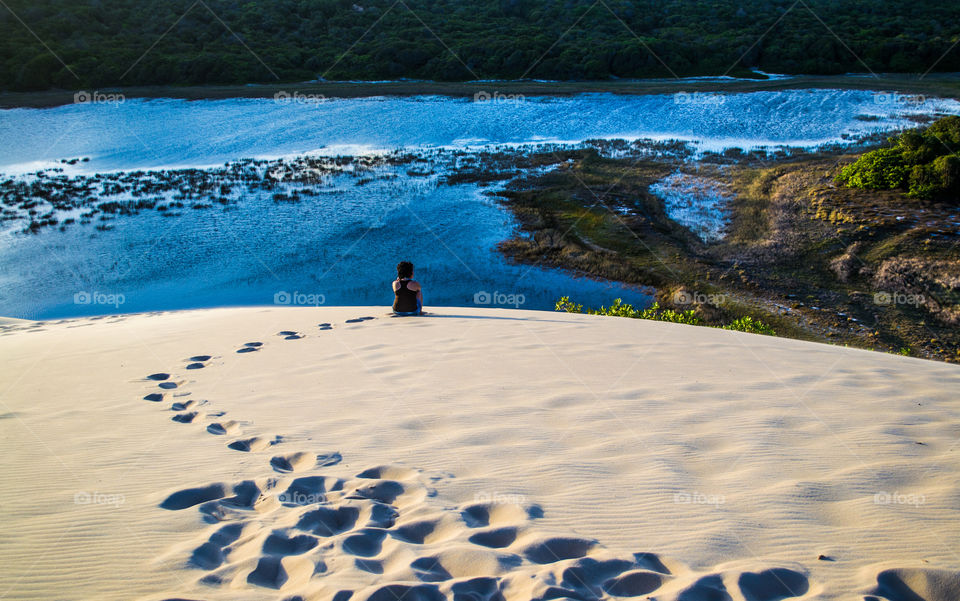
pixel 750 325
pixel 657 313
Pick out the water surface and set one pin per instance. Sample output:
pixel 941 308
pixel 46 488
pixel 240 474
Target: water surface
pixel 341 246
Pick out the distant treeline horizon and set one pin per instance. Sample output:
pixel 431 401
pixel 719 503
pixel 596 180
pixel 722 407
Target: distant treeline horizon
pixel 79 44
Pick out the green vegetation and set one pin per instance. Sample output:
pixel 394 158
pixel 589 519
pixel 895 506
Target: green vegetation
pixel 751 325
pixel 803 256
pixel 621 309
pixel 923 162
pixel 658 313
pixel 180 42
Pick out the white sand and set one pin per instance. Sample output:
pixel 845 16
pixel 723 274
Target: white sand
pixel 471 454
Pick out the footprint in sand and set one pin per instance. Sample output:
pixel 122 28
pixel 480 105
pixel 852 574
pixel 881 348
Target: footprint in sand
pixel 158 377
pixel 772 585
pixel 187 418
pixel 297 462
pixel 495 538
pixel 328 521
pixel 912 584
pixel 169 385
pixel 558 548
pixel 198 361
pixel 185 405
pixel 329 459
pixel 309 490
pixel 360 319
pixel 279 543
pixel 290 335
pixel 483 515
pixel 212 554
pixel 155 397
pixel 250 497
pixel 189 497
pixel 252 445
pixel 281 572
pixel 380 523
pixel 250 347
pixel 365 543
pixel 222 428
pixel 325 326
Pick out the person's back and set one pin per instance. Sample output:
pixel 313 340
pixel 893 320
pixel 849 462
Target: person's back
pixel 408 294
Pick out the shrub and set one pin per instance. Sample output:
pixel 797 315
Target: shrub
pixel 882 169
pixel 920 162
pixel 750 325
pixel 657 313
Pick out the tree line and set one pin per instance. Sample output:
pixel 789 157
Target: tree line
pixel 106 43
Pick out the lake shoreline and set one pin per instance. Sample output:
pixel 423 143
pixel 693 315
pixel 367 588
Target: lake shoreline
pixel 943 85
pixel 800 254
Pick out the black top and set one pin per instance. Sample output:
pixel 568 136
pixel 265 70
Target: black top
pixel 406 299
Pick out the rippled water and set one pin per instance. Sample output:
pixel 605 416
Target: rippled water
pixel 697 202
pixel 152 133
pixel 341 246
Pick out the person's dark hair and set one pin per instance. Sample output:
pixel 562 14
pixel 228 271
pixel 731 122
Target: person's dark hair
pixel 404 269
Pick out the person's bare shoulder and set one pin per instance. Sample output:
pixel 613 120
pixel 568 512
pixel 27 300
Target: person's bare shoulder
pixel 413 285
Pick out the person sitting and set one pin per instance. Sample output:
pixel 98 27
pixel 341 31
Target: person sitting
pixel 408 294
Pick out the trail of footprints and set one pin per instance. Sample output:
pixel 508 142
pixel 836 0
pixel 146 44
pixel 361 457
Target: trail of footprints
pixel 324 532
pixel 190 411
pixel 326 536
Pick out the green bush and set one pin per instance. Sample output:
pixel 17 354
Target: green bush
pixel 750 325
pixel 658 313
pixel 566 306
pixel 882 169
pixel 622 309
pixel 923 163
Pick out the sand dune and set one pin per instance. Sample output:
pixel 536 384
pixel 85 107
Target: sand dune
pixel 341 454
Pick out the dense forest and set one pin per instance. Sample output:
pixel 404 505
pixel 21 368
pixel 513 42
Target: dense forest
pixel 77 44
